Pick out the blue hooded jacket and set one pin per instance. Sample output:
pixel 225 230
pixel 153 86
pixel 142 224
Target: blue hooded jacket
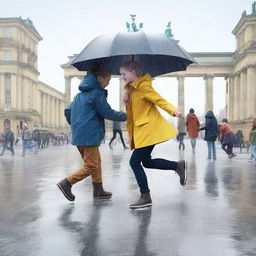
pixel 211 127
pixel 87 112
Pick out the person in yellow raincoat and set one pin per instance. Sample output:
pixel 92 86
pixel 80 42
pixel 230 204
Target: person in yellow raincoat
pixel 146 127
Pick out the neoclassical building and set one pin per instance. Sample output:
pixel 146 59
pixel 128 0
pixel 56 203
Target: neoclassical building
pixel 238 68
pixel 23 98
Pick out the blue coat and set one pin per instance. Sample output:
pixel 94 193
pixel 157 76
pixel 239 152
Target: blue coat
pixel 87 112
pixel 211 127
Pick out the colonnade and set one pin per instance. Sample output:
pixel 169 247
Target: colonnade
pixel 52 111
pixel 28 97
pixel 241 94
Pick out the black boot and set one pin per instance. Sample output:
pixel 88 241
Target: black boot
pixel 144 201
pixel 182 172
pixel 99 192
pixel 65 188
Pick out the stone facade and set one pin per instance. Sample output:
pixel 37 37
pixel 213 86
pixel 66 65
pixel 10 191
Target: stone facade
pixel 23 98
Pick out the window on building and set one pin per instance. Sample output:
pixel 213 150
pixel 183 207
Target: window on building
pixel 6 55
pixel 6 32
pixel 7 89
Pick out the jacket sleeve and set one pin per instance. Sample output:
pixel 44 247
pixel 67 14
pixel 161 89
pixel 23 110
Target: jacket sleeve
pixel 67 113
pixel 151 95
pixel 104 109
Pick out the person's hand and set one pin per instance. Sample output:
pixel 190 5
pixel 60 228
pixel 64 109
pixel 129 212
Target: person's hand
pixel 178 114
pixel 126 99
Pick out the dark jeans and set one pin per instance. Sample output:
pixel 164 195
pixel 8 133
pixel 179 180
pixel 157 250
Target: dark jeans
pixel 181 139
pixel 143 155
pixel 228 148
pixel 114 136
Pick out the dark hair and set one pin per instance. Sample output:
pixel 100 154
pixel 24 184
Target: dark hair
pixel 191 110
pixel 133 66
pixel 98 68
pixel 224 120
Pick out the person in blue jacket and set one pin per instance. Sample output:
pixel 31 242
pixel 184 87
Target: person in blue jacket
pixel 86 116
pixel 211 133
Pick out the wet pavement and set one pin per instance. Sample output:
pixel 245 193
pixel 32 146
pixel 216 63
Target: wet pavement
pixel 214 214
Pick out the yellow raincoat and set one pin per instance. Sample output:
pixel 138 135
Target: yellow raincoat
pixel 145 125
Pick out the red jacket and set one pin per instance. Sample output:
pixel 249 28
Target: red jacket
pixel 193 125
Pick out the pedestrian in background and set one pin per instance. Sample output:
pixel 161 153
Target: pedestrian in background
pixel 252 139
pixel 181 127
pixel 26 139
pixel 227 138
pixel 86 116
pixel 8 140
pixel 211 133
pixel 117 129
pixel 193 126
pixel 146 127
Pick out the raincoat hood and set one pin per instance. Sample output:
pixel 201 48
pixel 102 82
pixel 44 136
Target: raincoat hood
pixel 89 82
pixel 145 78
pixel 209 114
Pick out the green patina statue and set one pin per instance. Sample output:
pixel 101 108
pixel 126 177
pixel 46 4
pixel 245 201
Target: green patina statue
pixel 254 8
pixel 168 31
pixel 132 27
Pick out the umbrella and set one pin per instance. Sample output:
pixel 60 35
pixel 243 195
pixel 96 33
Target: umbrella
pixel 156 52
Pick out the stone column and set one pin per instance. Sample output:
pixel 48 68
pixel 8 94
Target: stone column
pixel 208 93
pixel 57 114
pixel 243 94
pixel 237 96
pixel 181 99
pixel 230 98
pixel 34 96
pixel 47 119
pixel 63 122
pixel 1 91
pixel 24 94
pixel 121 95
pixel 52 112
pixel 19 92
pixel 251 92
pixel 13 91
pixel 67 90
pixel 43 102
pixel 38 100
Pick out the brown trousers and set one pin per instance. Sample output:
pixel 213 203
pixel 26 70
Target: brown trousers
pixel 92 166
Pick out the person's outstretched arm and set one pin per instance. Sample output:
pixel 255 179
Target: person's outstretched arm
pixel 104 109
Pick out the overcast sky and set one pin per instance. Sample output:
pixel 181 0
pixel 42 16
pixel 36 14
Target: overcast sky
pixel 66 26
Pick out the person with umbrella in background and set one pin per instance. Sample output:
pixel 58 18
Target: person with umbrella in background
pixel 146 127
pixel 86 115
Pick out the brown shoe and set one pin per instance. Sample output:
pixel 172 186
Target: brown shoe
pixel 144 201
pixel 99 192
pixel 65 188
pixel 182 172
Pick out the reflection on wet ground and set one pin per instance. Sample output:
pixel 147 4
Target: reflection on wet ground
pixel 213 215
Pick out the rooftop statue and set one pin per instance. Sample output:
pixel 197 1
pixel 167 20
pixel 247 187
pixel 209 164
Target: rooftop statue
pixel 254 8
pixel 132 27
pixel 244 14
pixel 168 31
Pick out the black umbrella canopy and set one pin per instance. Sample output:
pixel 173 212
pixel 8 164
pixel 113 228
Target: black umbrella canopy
pixel 156 52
